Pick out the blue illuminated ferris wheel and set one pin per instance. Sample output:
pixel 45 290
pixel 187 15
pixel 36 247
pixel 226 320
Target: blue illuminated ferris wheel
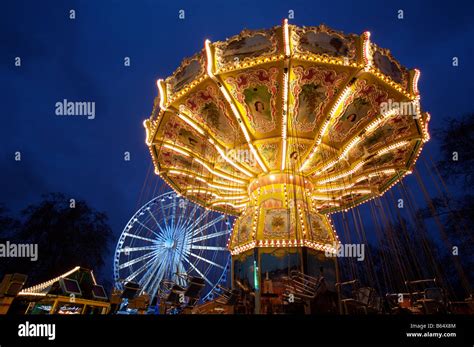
pixel 170 237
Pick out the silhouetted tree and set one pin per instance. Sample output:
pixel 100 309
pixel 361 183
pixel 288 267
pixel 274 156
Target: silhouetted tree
pixel 66 237
pixel 457 135
pixel 454 207
pixel 8 225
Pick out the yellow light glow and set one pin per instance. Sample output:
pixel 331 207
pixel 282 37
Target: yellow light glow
pixel 217 173
pixel 286 37
pixel 222 187
pixel 161 93
pixel 335 110
pixel 392 147
pixel 176 149
pixel 344 174
pixel 243 128
pixel 284 123
pixel 220 203
pixel 416 78
pixel 147 132
pixel 366 51
pixel 209 58
pixel 231 162
pixel 191 123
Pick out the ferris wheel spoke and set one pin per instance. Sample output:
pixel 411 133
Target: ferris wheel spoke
pixel 199 219
pixel 136 249
pixel 191 215
pixel 166 235
pixel 209 248
pixel 193 212
pixel 182 249
pixel 135 274
pixel 141 269
pixel 161 238
pixel 139 237
pixel 179 224
pixel 200 273
pixel 184 220
pixel 146 227
pixel 210 236
pixel 147 277
pixel 181 255
pixel 137 260
pixel 208 225
pixel 153 217
pixel 208 261
pixel 153 287
pixel 181 281
pixel 164 217
pixel 184 241
pixel 173 214
pixel 149 229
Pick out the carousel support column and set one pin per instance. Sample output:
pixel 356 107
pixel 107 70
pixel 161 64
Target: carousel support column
pixel 256 279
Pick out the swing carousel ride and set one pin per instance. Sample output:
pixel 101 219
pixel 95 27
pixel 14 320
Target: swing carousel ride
pixel 282 128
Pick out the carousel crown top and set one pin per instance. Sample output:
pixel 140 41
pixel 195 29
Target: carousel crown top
pixel 306 119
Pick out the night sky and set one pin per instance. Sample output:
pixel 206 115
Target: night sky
pixel 83 60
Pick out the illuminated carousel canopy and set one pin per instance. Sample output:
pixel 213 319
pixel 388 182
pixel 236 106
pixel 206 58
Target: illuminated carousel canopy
pixel 285 126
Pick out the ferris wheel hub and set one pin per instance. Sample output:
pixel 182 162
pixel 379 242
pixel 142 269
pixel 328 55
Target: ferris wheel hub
pixel 169 243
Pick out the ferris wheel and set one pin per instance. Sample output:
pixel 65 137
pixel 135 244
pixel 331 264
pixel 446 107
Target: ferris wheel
pixel 170 237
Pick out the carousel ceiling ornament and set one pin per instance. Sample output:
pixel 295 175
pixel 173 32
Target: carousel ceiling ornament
pixel 284 126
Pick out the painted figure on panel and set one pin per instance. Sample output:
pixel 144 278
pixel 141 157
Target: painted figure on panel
pixel 352 115
pixel 388 67
pixel 324 43
pixel 258 100
pixel 247 46
pixel 312 95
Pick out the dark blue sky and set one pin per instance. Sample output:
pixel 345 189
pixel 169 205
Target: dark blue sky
pixel 82 60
